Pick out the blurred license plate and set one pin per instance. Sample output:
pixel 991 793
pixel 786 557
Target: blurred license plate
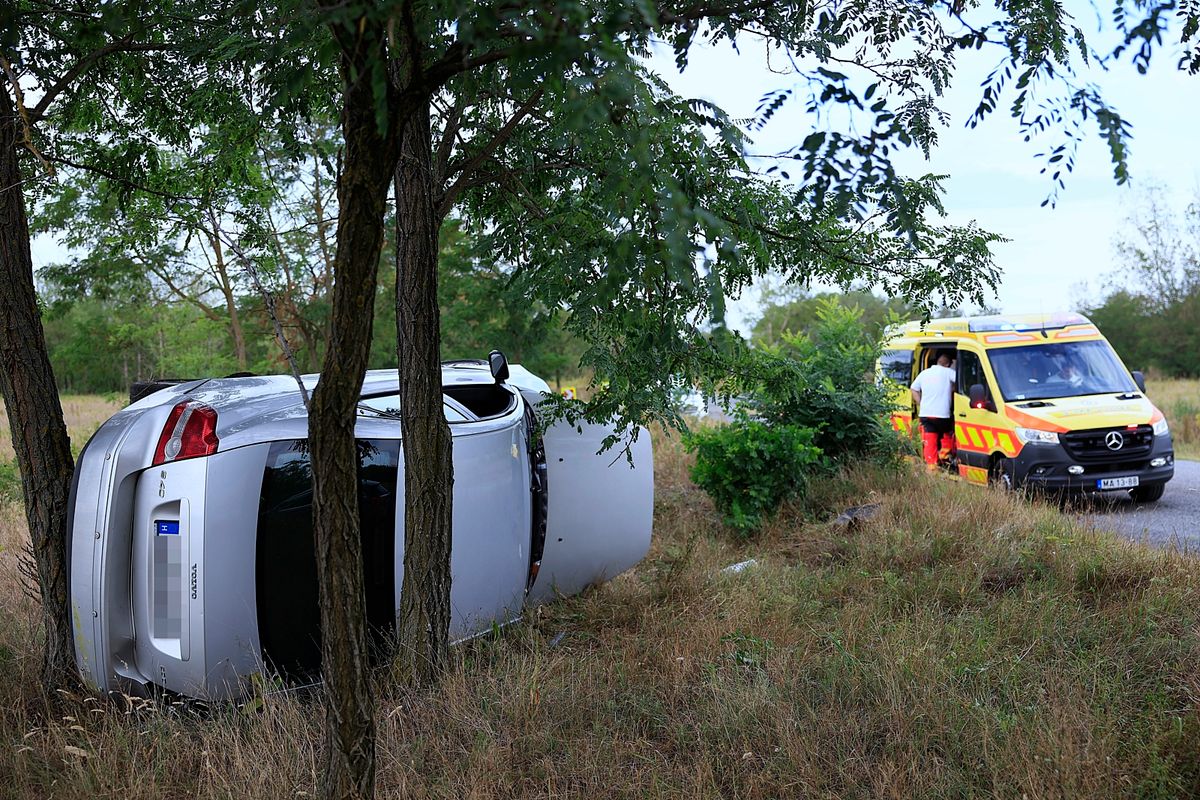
pixel 1117 483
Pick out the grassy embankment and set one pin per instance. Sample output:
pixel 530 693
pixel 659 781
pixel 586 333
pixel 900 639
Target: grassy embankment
pixel 960 644
pixel 1180 401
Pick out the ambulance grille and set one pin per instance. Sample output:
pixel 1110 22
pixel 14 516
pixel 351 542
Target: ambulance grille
pixel 1095 445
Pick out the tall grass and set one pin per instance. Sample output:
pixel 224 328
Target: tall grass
pixel 961 643
pixel 83 413
pixel 1180 402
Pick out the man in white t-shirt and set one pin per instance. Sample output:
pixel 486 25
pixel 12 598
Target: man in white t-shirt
pixel 933 391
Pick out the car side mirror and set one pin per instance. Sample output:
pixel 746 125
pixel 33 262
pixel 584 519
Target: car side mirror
pixel 979 398
pixel 1140 380
pixel 499 366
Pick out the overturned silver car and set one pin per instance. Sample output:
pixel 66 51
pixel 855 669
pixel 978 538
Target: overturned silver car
pixel 191 552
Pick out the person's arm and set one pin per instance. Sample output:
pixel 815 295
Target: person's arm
pixel 916 391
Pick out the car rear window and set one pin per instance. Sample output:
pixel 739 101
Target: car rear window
pixel 289 618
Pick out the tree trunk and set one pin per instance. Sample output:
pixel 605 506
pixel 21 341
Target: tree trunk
pixel 362 194
pixel 424 622
pixel 39 433
pixel 226 287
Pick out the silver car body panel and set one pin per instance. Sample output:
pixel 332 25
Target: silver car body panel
pixel 601 509
pixel 162 558
pixel 489 559
pixel 203 572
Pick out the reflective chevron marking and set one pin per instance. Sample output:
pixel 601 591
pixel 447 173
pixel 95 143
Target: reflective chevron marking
pixel 976 438
pixel 973 474
pixel 985 439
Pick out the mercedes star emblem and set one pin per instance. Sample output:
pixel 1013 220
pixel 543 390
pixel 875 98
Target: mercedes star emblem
pixel 1114 440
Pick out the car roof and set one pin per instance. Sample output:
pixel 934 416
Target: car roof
pixel 264 407
pixel 281 390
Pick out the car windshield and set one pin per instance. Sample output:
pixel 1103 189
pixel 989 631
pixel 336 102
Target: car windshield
pixel 1069 369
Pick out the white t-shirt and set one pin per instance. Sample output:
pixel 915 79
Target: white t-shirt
pixel 936 385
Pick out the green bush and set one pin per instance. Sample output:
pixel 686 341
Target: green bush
pixel 748 468
pixel 824 380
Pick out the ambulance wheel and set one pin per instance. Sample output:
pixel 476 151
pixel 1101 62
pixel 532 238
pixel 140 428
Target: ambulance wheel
pixel 1148 493
pixel 1001 474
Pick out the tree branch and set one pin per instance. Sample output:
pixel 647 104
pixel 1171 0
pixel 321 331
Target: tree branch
pixel 450 196
pixel 181 294
pixel 26 123
pixel 446 145
pixel 119 45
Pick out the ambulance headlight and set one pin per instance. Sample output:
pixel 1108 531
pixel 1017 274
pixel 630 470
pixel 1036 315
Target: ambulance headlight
pixel 1161 428
pixel 1034 436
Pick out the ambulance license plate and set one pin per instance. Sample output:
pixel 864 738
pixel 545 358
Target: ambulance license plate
pixel 1117 483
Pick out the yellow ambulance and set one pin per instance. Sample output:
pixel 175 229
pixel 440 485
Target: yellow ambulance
pixel 1041 401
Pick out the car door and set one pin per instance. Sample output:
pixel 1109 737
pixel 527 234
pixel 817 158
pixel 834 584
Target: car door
pixel 980 433
pixel 489 554
pixel 490 517
pixel 600 508
pixel 895 373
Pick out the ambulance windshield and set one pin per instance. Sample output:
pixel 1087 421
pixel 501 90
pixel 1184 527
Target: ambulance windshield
pixel 1069 369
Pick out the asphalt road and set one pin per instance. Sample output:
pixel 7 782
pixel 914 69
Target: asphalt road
pixel 1175 519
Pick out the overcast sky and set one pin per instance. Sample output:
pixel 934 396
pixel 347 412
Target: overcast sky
pixel 1057 256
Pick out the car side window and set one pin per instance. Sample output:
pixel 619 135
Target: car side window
pixel 896 365
pixel 970 372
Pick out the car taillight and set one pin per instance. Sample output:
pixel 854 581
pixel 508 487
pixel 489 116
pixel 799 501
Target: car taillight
pixel 191 431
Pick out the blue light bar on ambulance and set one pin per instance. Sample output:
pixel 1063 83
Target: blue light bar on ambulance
pixel 1026 322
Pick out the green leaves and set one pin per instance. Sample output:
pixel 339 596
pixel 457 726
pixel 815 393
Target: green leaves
pixel 822 379
pixel 748 468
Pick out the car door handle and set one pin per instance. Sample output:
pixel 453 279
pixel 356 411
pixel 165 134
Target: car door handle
pixel 962 413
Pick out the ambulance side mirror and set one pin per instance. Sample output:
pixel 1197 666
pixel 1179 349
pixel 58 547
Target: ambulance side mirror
pixel 979 398
pixel 1140 380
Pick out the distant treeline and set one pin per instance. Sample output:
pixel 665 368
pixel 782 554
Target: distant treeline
pixel 1152 311
pixel 1151 335
pixel 107 328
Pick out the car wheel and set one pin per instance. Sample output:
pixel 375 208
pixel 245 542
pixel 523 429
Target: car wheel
pixel 1148 493
pixel 1001 474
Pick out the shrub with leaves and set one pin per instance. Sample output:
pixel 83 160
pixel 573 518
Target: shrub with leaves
pixel 824 380
pixel 749 467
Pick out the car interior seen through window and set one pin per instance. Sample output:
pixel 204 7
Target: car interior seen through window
pixel 484 400
pixel 388 405
pixel 1070 369
pixel 970 372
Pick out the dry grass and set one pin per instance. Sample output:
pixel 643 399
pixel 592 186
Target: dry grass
pixel 83 412
pixel 960 644
pixel 1180 401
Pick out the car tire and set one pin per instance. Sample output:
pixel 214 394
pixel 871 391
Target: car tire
pixel 1148 493
pixel 1001 474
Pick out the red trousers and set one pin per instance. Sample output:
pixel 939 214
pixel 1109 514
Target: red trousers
pixel 937 446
